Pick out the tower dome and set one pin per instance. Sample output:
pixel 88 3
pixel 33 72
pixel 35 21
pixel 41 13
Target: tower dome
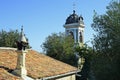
pixel 73 18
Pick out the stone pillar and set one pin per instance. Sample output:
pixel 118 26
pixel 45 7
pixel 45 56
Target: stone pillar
pixel 20 68
pixel 81 62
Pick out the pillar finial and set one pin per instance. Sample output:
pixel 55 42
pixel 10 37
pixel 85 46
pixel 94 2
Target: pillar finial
pixel 22 42
pixel 21 28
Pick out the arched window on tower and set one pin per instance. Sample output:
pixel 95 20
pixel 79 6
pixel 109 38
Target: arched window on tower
pixel 81 37
pixel 71 34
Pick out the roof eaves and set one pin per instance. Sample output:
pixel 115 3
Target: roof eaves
pixel 60 75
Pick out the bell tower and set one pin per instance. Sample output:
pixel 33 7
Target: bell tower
pixel 74 26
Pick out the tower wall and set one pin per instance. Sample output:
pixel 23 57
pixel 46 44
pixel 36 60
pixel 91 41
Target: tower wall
pixel 77 31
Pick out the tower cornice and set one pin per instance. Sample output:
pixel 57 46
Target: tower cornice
pixel 74 25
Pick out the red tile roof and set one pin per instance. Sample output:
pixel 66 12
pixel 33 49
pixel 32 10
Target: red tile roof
pixel 4 75
pixel 38 65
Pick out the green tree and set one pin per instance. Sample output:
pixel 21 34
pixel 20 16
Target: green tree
pixel 60 47
pixel 9 38
pixel 86 53
pixel 107 43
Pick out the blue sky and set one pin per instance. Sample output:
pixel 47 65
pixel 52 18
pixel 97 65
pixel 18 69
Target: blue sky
pixel 40 18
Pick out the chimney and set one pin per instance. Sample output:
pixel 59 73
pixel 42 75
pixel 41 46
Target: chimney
pixel 21 51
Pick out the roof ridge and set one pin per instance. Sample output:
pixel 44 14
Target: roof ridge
pixel 8 48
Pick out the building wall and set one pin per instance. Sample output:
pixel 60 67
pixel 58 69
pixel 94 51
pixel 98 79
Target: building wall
pixel 70 77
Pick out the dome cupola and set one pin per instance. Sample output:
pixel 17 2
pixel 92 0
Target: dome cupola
pixel 74 18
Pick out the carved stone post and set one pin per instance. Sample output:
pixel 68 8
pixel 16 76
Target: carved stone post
pixel 20 68
pixel 21 45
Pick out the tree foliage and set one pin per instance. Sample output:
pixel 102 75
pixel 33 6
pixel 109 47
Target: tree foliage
pixel 60 47
pixel 86 53
pixel 9 38
pixel 106 43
